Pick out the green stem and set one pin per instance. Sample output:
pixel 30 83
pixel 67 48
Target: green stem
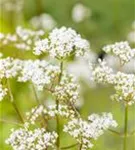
pixel 39 103
pixel 13 102
pixel 10 122
pixel 39 7
pixel 125 128
pixel 80 148
pixel 57 107
pixel 67 147
pixel 61 71
pixel 115 132
pixel 58 126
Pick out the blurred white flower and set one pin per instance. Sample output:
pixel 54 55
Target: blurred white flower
pixel 44 21
pixel 12 5
pixel 1 55
pixel 80 67
pixel 133 25
pixel 80 12
pixel 131 36
pixel 22 39
pixel 114 63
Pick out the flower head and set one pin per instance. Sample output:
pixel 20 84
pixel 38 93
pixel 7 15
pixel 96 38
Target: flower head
pixel 122 50
pixel 61 43
pixel 25 139
pixel 85 131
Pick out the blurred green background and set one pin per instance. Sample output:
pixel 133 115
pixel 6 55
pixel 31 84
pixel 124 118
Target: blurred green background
pixel 110 21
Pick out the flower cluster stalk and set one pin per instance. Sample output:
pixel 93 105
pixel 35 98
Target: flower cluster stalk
pixel 57 107
pixel 125 128
pixel 39 103
pixel 14 103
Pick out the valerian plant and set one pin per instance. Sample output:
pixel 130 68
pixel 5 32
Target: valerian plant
pixel 60 44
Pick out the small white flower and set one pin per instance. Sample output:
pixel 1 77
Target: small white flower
pixel 44 21
pixel 80 12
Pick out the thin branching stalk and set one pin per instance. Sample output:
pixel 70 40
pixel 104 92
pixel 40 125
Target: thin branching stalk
pixel 115 132
pixel 57 107
pixel 125 128
pixel 75 110
pixel 38 102
pixel 80 147
pixel 10 122
pixel 68 147
pixel 14 103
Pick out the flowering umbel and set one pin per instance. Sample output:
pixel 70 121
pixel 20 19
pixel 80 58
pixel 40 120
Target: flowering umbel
pixel 62 43
pixel 123 83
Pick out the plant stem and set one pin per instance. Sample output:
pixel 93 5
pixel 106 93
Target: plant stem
pixel 58 126
pixel 39 7
pixel 80 148
pixel 67 147
pixel 39 103
pixel 57 107
pixel 61 71
pixel 115 132
pixel 13 102
pixel 10 122
pixel 125 128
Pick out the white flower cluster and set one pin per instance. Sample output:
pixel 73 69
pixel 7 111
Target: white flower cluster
pixel 68 89
pixel 123 83
pixel 44 21
pixel 85 131
pixel 23 39
pixel 40 73
pixel 63 111
pixel 34 114
pixel 50 112
pixel 101 73
pixel 122 50
pixel 80 12
pixel 8 69
pixel 61 43
pixel 25 139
